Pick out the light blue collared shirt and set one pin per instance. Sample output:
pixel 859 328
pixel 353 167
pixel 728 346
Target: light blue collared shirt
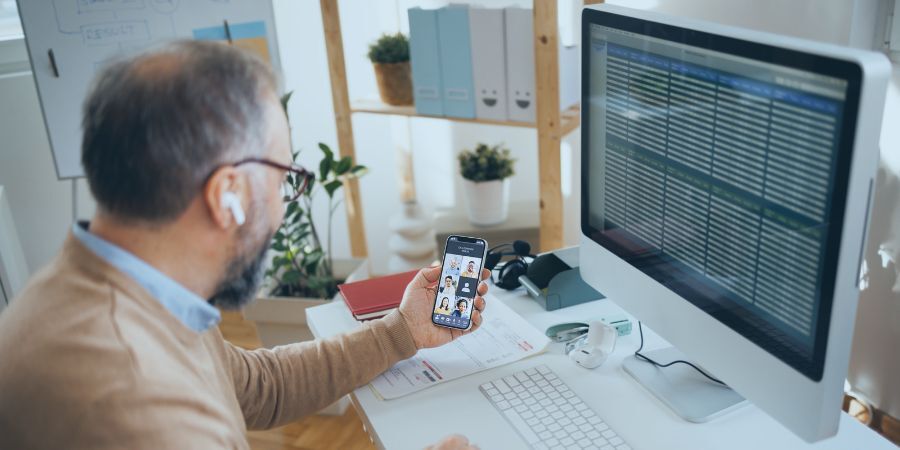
pixel 188 307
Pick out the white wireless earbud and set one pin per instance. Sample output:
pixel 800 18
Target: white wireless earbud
pixel 599 344
pixel 231 201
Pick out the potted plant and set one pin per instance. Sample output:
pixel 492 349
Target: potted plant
pixel 390 57
pixel 486 172
pixel 303 271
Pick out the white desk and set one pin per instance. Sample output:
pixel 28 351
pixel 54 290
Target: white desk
pixel 423 418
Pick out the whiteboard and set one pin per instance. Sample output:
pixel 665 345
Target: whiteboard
pixel 84 35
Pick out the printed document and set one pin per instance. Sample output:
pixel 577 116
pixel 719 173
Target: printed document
pixel 503 337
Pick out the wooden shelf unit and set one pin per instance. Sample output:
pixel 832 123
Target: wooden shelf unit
pixel 552 124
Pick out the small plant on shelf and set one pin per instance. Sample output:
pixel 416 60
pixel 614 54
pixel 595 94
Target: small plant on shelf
pixel 303 265
pixel 486 171
pixel 389 49
pixel 486 163
pixel 390 57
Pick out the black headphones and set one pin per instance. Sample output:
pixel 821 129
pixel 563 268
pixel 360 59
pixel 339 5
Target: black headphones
pixel 509 274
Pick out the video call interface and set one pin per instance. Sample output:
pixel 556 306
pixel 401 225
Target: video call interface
pixel 458 284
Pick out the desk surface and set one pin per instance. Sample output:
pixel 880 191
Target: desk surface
pixel 422 418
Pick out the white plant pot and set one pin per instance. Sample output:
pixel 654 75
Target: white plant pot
pixel 488 201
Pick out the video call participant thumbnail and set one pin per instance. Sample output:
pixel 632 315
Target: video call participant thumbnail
pixel 469 271
pixel 448 287
pixel 462 306
pixel 467 287
pixel 453 265
pixel 443 307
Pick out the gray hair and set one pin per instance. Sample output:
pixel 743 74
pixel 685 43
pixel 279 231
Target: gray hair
pixel 158 124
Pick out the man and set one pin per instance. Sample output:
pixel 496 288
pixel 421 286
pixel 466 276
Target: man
pixel 454 267
pixel 448 289
pixel 470 270
pixel 114 344
pixel 460 310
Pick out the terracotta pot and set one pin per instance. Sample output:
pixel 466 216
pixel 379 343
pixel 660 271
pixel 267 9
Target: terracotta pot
pixel 394 83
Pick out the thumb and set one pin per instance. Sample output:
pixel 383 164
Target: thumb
pixel 426 277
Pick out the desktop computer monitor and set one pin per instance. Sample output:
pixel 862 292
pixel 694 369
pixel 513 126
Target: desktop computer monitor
pixel 726 176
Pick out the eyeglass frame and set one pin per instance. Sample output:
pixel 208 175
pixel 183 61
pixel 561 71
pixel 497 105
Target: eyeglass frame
pixel 293 168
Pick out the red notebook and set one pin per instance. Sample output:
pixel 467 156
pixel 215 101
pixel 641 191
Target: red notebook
pixel 376 297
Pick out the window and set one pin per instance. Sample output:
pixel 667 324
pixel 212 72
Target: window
pixel 9 20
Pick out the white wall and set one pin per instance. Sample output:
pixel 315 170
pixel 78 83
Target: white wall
pixel 821 20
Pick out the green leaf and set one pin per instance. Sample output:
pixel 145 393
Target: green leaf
pixel 344 165
pixel 312 261
pixel 324 168
pixel 296 218
pixel 292 208
pixel 359 170
pixel 332 186
pixel 326 150
pixel 291 277
pixel 285 99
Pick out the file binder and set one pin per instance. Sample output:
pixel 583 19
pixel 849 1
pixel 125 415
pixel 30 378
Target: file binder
pixel 488 41
pixel 424 48
pixel 456 61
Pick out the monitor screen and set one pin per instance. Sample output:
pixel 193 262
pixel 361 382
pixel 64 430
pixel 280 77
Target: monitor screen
pixel 718 167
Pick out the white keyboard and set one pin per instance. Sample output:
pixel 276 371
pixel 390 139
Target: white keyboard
pixel 547 414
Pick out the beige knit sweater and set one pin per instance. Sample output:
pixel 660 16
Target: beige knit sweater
pixel 88 359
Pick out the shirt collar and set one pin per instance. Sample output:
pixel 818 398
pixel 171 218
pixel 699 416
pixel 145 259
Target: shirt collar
pixel 189 308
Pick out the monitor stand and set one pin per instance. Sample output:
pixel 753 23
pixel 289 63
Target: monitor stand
pixel 688 393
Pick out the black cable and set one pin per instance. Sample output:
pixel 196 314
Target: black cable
pixel 638 354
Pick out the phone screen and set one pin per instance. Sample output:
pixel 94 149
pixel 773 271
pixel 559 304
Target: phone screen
pixel 460 274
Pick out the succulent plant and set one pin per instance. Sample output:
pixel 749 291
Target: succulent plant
pixel 486 163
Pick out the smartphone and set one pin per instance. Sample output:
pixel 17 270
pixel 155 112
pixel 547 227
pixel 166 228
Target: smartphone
pixel 454 300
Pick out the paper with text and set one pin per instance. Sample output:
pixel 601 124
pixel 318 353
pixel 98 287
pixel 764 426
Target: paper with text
pixel 504 337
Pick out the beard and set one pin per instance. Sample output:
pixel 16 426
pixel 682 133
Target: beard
pixel 244 273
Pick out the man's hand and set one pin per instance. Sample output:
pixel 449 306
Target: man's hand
pixel 453 442
pixel 417 308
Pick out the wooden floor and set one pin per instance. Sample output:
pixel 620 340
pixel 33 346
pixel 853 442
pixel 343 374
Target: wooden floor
pixel 346 432
pixel 314 432
pixel 887 426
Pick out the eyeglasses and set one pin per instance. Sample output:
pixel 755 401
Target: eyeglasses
pixel 296 178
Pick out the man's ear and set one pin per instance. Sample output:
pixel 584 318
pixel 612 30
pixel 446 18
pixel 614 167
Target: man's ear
pixel 225 195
